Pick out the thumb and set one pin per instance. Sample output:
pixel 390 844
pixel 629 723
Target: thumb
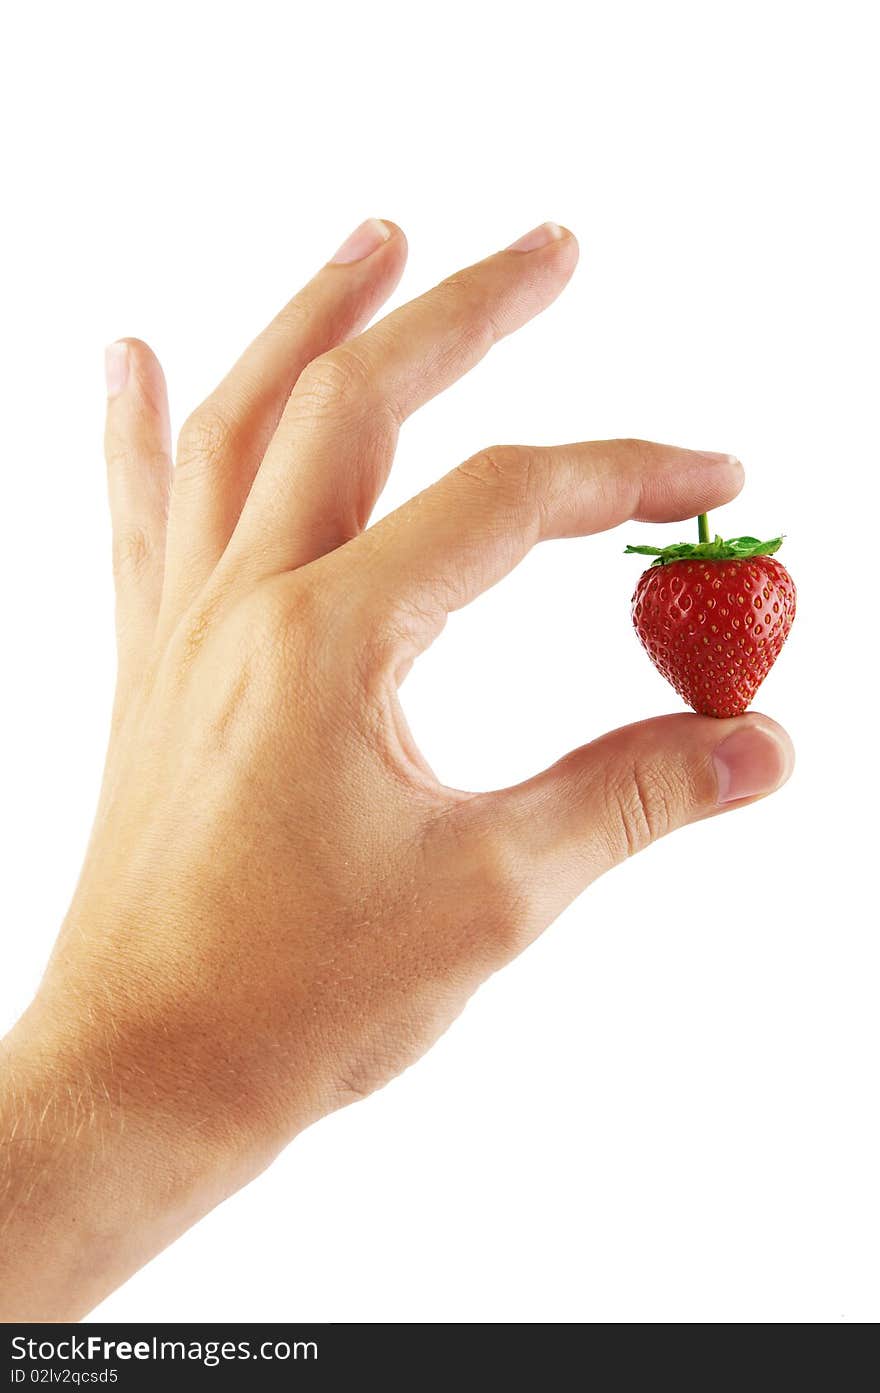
pixel 610 799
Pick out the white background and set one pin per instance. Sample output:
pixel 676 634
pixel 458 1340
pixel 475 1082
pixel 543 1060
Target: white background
pixel 667 1109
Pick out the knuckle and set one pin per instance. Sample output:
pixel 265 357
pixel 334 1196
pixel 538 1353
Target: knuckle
pixel 505 897
pixel 127 455
pixel 637 454
pixel 204 436
pixel 334 381
pixel 132 550
pixel 196 628
pixel 494 881
pixel 278 627
pixel 506 932
pixel 508 467
pixel 518 485
pixel 643 803
pixel 632 445
pixel 461 284
pixel 468 290
pixel 295 318
pixel 291 623
pixel 375 647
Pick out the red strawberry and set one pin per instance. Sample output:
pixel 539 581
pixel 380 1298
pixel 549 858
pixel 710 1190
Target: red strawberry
pixel 713 617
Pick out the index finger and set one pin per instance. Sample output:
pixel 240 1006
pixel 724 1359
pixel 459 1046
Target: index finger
pixel 450 543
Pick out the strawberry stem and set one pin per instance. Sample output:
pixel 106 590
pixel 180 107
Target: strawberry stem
pixel 703 527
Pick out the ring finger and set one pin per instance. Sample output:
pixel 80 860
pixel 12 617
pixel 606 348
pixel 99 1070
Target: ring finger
pixel 223 441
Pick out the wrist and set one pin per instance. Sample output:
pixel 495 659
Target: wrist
pixel 92 1182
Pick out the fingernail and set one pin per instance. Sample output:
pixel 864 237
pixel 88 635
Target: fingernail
pixel 538 237
pixel 750 762
pixel 364 240
pixel 719 459
pixel 116 367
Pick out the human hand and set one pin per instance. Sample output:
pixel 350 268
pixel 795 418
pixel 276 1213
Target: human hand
pixel 281 905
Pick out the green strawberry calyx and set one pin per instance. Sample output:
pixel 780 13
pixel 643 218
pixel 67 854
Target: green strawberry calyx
pixel 734 549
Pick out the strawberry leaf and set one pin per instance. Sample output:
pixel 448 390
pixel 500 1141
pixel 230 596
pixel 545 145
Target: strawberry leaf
pixel 734 549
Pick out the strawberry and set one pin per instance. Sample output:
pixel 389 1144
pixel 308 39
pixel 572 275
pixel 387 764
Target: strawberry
pixel 713 617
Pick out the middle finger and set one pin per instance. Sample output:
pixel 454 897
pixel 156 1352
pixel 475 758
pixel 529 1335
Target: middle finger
pixel 332 451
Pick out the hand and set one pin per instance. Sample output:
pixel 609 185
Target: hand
pixel 281 905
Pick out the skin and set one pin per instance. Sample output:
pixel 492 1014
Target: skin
pixel 281 906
